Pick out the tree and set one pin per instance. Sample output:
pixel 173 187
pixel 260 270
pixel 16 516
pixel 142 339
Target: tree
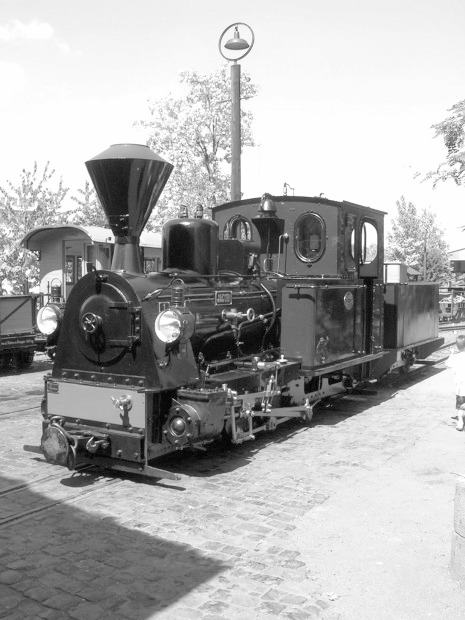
pixel 417 241
pixel 452 131
pixel 23 207
pixel 89 211
pixel 193 133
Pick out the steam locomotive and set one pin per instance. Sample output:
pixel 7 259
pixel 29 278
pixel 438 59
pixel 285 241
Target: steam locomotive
pixel 270 307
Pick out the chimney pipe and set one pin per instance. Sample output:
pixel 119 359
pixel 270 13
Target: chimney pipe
pixel 128 179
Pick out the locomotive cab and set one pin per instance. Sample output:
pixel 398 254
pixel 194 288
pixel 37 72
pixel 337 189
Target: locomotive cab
pixel 327 257
pixel 307 237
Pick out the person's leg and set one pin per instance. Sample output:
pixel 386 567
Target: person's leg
pixel 461 414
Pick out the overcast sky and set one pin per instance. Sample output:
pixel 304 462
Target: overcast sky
pixel 348 90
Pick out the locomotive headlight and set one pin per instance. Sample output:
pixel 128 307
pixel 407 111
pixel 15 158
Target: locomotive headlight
pixel 175 324
pixel 48 319
pixel 168 326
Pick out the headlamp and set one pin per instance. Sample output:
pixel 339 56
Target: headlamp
pixel 178 426
pixel 174 324
pixel 48 319
pixel 168 326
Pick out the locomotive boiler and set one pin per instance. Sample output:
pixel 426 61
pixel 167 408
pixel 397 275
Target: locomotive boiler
pixel 258 314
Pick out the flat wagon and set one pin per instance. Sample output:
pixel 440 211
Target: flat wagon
pixel 17 330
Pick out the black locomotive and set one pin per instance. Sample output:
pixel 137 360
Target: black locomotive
pixel 272 306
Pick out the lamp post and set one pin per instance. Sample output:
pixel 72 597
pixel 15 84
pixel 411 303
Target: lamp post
pixel 235 44
pixel 425 246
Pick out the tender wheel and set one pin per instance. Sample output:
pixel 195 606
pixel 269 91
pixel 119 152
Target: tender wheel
pixel 5 359
pixel 23 359
pixel 27 357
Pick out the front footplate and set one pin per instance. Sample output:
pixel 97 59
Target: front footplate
pixel 134 468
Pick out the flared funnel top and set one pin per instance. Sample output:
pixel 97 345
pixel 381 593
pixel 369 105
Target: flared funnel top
pixel 128 179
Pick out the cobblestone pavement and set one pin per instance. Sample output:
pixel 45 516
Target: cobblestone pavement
pixel 349 517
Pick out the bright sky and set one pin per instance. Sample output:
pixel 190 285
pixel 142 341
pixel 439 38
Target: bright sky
pixel 348 90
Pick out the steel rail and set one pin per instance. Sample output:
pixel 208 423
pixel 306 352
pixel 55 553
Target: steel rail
pixel 27 514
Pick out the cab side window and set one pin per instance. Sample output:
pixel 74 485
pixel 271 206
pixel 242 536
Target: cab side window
pixel 238 227
pixel 369 243
pixel 309 237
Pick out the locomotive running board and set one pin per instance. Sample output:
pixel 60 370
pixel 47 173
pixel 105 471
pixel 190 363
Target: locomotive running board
pixel 154 472
pixel 146 470
pixel 315 371
pixel 35 449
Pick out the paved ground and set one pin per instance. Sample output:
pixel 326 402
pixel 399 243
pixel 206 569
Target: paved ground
pixel 350 517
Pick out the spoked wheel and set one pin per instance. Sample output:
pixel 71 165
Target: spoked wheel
pixel 22 359
pixel 27 357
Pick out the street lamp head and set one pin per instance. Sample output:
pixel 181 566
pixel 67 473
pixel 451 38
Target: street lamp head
pixel 236 47
pixel 236 43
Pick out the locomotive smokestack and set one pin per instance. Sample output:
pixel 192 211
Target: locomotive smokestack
pixel 128 179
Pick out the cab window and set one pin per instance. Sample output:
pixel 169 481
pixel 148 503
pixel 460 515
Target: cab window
pixel 369 243
pixel 238 227
pixel 309 237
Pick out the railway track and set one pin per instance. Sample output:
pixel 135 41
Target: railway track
pixel 444 327
pixel 21 410
pixel 25 500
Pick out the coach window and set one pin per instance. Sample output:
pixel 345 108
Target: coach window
pixel 309 237
pixel 151 264
pixel 238 227
pixel 79 267
pixel 369 243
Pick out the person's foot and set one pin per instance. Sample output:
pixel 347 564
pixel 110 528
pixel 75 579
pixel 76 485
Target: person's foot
pixel 459 426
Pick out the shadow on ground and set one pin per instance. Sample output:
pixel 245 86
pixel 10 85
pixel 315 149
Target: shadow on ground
pixel 65 559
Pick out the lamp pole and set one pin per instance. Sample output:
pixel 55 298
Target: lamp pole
pixel 424 254
pixel 236 192
pixel 235 44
